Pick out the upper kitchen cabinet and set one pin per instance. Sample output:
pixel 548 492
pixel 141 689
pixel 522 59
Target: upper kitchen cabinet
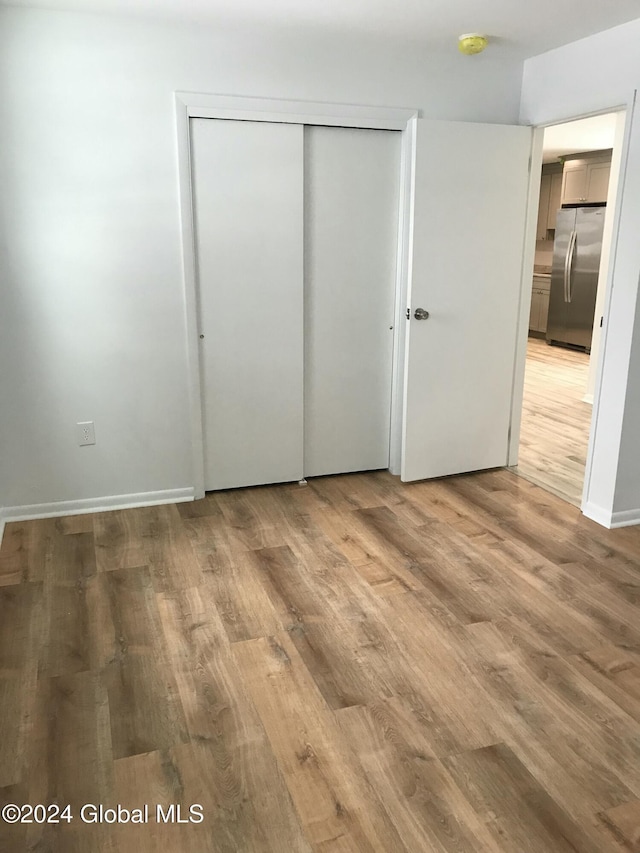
pixel 585 178
pixel 550 199
pixel 555 198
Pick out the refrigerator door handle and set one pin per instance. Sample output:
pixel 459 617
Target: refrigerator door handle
pixel 568 264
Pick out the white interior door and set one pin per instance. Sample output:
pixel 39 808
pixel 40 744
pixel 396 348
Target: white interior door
pixel 248 204
pixel 469 214
pixel 351 235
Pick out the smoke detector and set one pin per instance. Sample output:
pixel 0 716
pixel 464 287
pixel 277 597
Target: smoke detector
pixel 471 43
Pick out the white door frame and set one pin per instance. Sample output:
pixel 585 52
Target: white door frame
pixel 525 298
pixel 190 105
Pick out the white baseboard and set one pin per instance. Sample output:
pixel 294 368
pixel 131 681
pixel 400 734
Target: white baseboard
pixel 609 519
pixel 109 502
pixel 597 514
pixel 625 518
pixel 588 398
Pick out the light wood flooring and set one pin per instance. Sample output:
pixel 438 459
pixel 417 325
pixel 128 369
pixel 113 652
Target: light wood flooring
pixel 555 420
pixel 354 666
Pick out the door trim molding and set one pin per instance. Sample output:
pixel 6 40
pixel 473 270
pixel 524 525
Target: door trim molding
pixel 526 275
pixel 587 506
pixel 190 105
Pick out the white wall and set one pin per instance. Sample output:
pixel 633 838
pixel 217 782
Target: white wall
pixel 596 74
pixel 92 320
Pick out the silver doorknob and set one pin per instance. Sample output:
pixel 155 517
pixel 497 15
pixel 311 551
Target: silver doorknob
pixel 421 314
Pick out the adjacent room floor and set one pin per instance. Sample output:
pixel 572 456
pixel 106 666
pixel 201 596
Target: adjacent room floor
pixel 555 420
pixel 358 665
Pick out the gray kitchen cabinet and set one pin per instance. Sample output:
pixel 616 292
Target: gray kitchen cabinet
pixel 550 199
pixel 555 199
pixel 539 310
pixel 585 178
pixel 543 207
pixel 598 181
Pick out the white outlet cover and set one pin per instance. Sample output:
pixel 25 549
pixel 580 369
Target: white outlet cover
pixel 85 433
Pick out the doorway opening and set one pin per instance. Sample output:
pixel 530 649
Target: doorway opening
pixel 579 181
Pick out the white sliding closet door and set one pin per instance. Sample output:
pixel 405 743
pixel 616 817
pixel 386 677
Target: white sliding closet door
pixel 248 204
pixel 351 234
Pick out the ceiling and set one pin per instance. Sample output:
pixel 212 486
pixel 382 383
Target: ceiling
pixel 522 27
pixel 574 137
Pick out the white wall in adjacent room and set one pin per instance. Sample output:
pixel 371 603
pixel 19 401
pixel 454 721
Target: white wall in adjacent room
pixel 92 322
pixel 592 75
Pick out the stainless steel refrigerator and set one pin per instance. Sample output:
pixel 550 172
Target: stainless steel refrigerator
pixel 574 275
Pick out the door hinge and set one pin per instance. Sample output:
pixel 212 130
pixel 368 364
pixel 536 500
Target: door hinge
pixel 408 313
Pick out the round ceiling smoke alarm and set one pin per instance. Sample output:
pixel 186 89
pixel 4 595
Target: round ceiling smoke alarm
pixel 471 43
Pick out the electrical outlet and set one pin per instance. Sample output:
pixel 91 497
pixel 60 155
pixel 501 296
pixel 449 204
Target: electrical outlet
pixel 86 433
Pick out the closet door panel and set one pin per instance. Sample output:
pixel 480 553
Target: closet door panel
pixel 351 231
pixel 248 208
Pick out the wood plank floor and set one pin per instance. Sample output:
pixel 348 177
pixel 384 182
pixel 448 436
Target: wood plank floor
pixel 555 420
pixel 358 665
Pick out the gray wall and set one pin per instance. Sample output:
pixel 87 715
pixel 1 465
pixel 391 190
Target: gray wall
pixel 92 322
